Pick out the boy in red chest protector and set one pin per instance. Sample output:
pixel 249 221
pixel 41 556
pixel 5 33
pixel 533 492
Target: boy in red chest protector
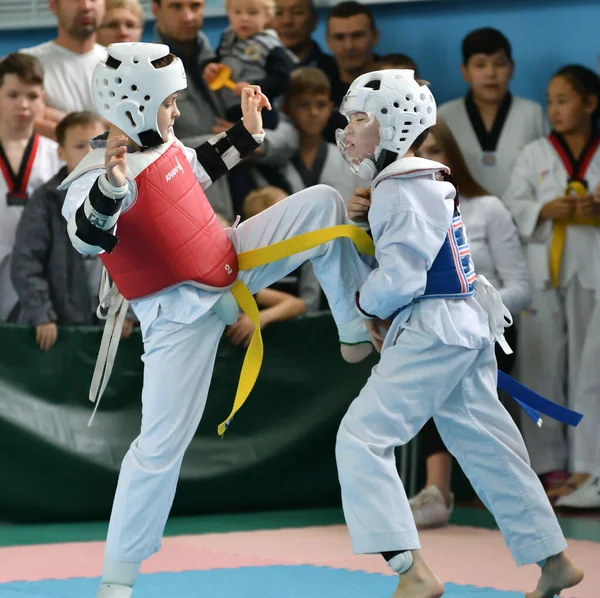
pixel 169 256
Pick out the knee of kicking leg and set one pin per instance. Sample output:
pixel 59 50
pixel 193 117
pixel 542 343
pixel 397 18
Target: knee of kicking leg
pixel 326 200
pixel 155 456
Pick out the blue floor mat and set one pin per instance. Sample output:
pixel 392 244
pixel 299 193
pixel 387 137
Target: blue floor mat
pixel 302 581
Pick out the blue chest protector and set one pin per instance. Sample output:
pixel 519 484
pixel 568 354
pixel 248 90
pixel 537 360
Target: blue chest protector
pixel 452 274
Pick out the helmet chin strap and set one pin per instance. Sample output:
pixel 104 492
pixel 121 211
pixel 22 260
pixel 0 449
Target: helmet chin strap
pixel 368 169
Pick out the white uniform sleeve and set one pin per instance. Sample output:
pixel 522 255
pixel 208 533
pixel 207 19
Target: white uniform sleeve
pixel 409 221
pixel 231 158
pixel 80 189
pixel 508 256
pixel 520 197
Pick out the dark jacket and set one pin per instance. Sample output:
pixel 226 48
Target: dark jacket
pixel 48 273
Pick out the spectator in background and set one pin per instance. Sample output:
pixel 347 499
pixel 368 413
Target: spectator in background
pixel 56 285
pixel 123 22
pixel 307 101
pixel 69 60
pixel 489 123
pixel 178 24
pixel 351 37
pixel 26 159
pixel 295 21
pixel 274 306
pixel 302 282
pixel 255 56
pixel 397 61
pixel 560 335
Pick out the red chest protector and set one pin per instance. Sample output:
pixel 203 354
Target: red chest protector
pixel 170 234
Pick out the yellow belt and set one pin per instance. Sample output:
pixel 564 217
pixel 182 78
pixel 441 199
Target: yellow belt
pixel 243 296
pixel 559 233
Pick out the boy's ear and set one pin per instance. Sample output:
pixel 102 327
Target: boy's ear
pixel 284 108
pixel 60 152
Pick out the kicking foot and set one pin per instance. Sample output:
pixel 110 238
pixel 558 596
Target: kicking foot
pixel 558 574
pixel 110 590
pixel 419 581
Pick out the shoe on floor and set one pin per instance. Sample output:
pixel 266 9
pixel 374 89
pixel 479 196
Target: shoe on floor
pixel 430 509
pixel 587 496
pixel 568 487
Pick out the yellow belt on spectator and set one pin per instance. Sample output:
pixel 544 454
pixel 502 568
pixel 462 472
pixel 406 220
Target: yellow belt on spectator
pixel 559 232
pixel 243 296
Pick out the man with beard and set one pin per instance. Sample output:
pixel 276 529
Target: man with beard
pixel 69 60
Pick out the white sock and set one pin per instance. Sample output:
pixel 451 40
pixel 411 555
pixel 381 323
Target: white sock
pixel 402 562
pixel 119 572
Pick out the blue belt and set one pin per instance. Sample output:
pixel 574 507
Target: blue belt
pixel 533 404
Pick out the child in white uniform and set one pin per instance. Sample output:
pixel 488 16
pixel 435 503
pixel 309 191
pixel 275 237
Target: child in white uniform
pixel 490 124
pixel 560 336
pixel 437 357
pixel 26 159
pixel 148 181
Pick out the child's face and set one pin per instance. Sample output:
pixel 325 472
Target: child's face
pixel 568 110
pixel 20 103
pixel 77 143
pixel 247 17
pixel 119 25
pixel 310 112
pixel 361 137
pixel 432 150
pixel 167 113
pixel 489 76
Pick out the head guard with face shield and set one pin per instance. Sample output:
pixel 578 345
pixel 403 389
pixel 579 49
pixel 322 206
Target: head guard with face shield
pixel 128 89
pixel 386 110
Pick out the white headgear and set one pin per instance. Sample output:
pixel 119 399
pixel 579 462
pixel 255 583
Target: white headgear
pixel 402 108
pixel 128 89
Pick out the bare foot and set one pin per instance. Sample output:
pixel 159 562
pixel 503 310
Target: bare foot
pixel 558 574
pixel 419 581
pixel 356 353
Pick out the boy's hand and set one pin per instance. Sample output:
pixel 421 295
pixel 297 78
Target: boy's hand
pixel 561 208
pixel 253 101
pixel 115 160
pixel 377 330
pixel 211 70
pixel 359 204
pixel 241 332
pixel 46 335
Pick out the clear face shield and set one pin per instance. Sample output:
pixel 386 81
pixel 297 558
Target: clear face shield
pixel 359 142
